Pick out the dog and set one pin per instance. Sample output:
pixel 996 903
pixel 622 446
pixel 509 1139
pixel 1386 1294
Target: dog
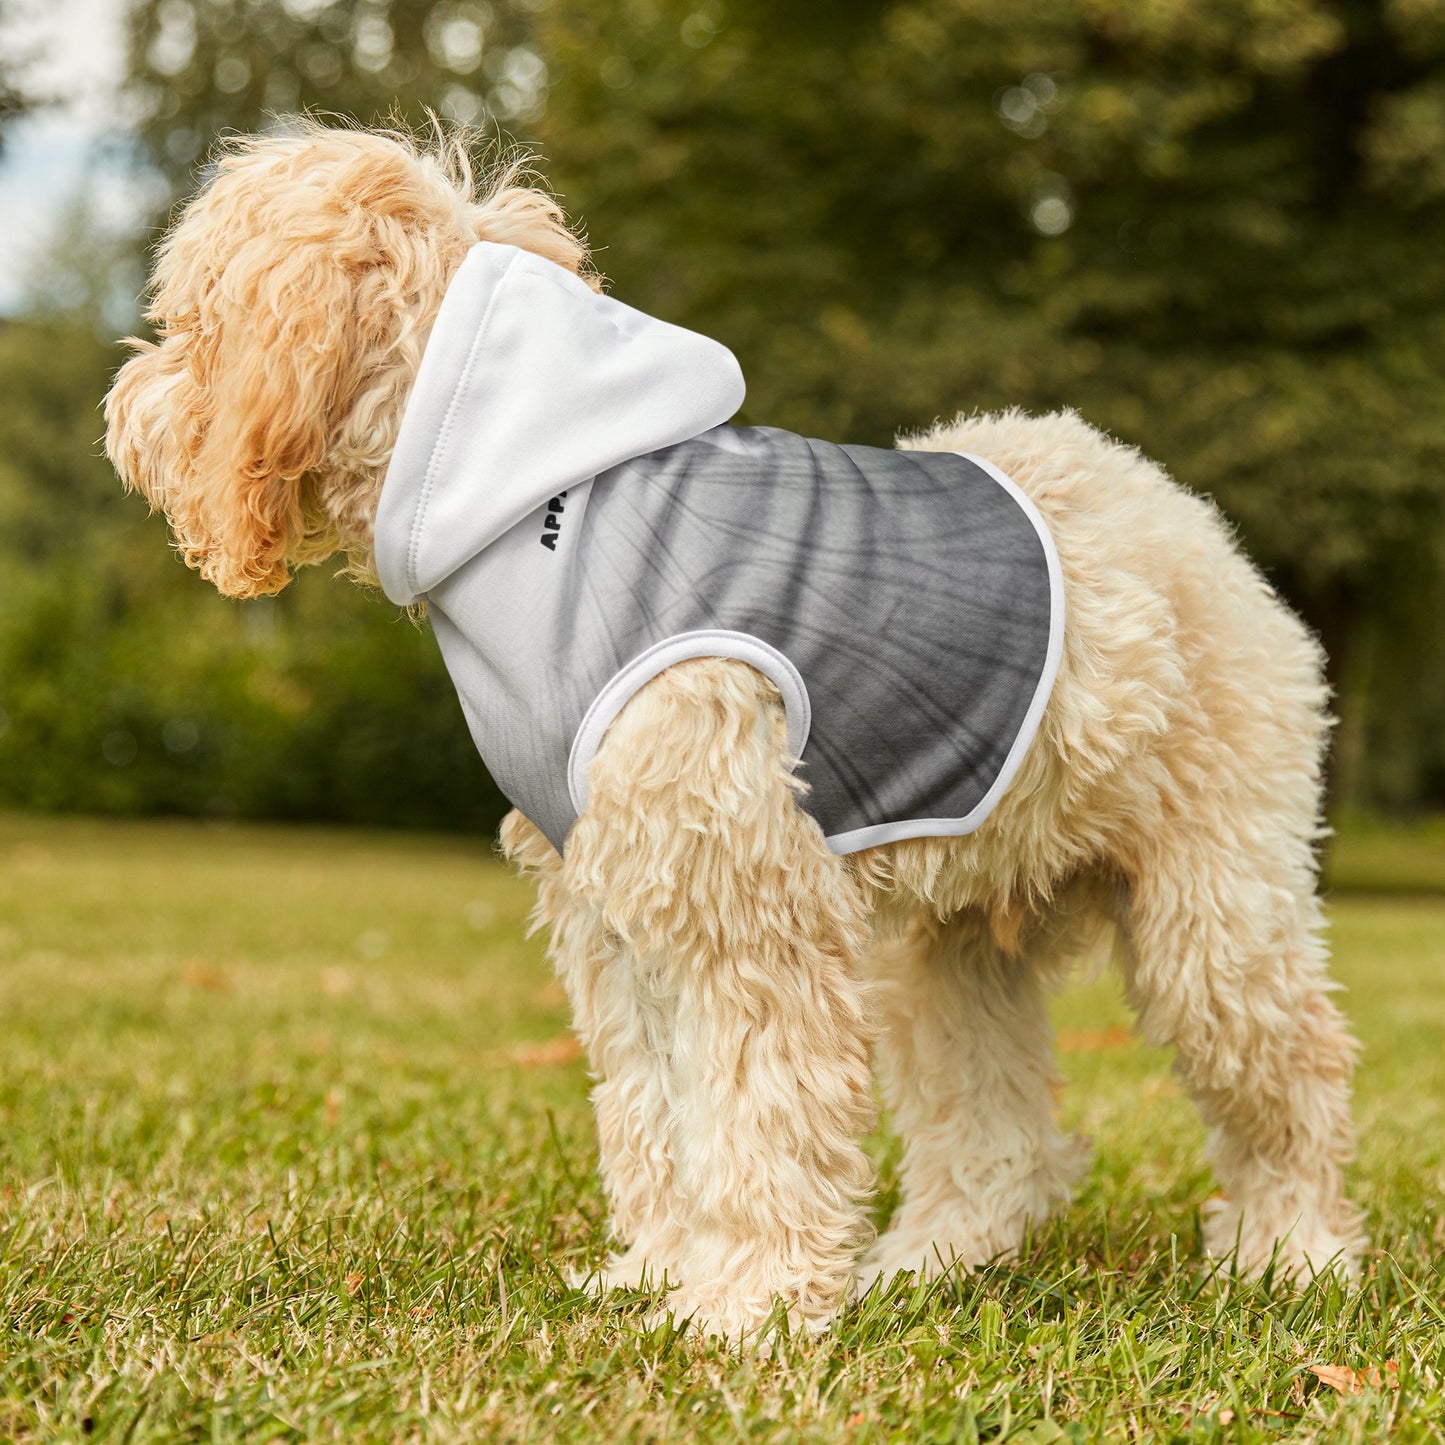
pixel 732 969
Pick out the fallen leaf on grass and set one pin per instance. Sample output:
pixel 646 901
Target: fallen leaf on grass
pixel 1355 1382
pixel 198 974
pixel 533 1056
pixel 335 982
pixel 1092 1041
pixel 354 1283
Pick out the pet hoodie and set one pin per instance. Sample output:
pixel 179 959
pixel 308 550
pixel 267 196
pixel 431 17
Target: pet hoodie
pixel 567 498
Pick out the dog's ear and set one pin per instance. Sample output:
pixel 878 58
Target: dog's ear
pixel 292 301
pixel 144 411
pixel 281 341
pixel 225 421
pixel 287 302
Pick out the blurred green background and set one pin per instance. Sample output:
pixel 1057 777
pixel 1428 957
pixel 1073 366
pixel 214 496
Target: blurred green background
pixel 1214 227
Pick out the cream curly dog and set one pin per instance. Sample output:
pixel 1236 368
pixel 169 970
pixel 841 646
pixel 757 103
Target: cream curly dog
pixel 730 974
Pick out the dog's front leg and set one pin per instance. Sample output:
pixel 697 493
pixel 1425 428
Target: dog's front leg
pixel 623 1025
pixel 739 931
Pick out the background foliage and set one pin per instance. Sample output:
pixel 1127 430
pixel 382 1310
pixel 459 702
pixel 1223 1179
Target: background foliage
pixel 1215 228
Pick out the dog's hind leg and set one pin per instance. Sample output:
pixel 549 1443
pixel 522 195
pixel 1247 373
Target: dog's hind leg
pixel 1227 965
pixel 695 858
pixel 966 1059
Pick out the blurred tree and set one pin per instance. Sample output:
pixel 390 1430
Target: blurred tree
pixel 125 684
pixel 14 102
pixel 128 686
pixel 1213 226
pixel 1216 227
pixel 203 67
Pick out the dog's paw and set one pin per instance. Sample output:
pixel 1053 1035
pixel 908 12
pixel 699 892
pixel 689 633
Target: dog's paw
pixel 753 1324
pixel 1298 1246
pixel 964 1230
pixel 633 1270
pixel 901 1252
pixel 934 1247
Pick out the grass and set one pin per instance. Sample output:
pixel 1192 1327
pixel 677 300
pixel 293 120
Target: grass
pixel 1371 855
pixel 292 1147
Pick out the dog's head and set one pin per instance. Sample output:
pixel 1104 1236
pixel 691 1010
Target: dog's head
pixel 291 302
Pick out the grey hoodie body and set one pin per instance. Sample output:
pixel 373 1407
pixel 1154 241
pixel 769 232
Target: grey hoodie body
pixel 565 496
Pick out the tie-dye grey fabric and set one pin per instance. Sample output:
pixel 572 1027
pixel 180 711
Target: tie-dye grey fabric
pixel 906 603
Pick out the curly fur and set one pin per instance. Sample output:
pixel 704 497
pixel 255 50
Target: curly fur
pixel 292 301
pixel 729 976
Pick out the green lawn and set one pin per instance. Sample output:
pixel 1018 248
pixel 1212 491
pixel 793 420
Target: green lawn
pixel 292 1146
pixel 1371 856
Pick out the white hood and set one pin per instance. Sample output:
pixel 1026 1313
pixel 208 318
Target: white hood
pixel 530 384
